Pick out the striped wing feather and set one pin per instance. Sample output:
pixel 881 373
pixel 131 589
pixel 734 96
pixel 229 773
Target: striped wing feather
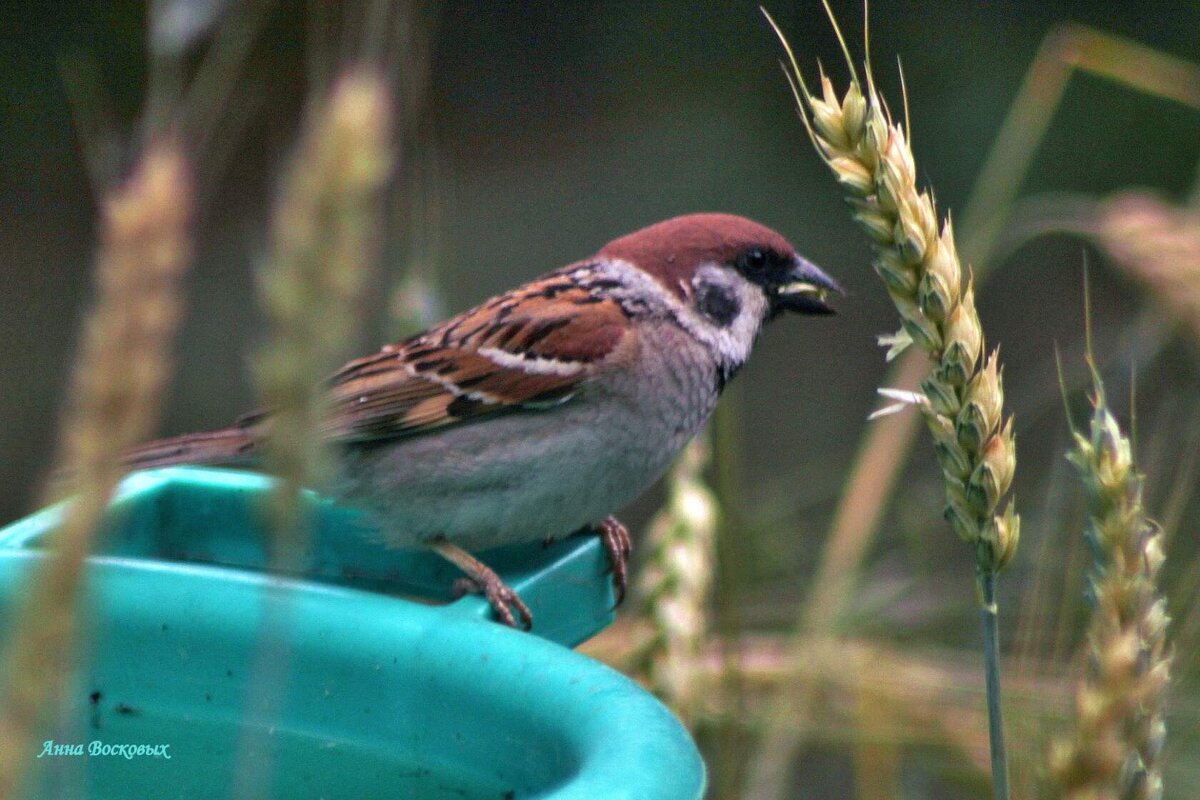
pixel 526 349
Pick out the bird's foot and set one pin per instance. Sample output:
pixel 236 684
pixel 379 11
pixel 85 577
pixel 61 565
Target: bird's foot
pixel 502 598
pixel 618 544
pixel 482 579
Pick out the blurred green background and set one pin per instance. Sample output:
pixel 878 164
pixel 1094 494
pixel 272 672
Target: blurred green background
pixel 545 129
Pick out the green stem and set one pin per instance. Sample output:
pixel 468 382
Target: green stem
pixel 989 614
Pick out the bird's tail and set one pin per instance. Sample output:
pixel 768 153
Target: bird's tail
pixel 232 445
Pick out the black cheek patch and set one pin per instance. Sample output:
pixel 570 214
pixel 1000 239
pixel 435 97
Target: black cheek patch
pixel 719 304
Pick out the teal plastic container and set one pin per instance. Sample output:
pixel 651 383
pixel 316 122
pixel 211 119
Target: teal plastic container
pixel 370 694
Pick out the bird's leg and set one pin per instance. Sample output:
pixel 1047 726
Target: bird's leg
pixel 618 544
pixel 483 579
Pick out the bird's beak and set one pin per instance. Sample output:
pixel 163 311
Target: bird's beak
pixel 805 290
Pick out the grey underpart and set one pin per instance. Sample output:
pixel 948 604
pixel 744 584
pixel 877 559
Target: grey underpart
pixel 532 475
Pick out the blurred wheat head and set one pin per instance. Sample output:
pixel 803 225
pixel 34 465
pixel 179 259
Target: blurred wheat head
pixel 675 581
pixel 324 229
pixel 1158 243
pixel 122 368
pixel 1119 703
pixel 323 233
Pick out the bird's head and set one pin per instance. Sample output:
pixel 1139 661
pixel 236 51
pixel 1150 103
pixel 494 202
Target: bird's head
pixel 727 276
pixel 722 265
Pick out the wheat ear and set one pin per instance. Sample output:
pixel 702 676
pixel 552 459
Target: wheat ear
pixel 676 580
pixel 122 368
pixel 962 398
pixel 323 232
pixel 1119 723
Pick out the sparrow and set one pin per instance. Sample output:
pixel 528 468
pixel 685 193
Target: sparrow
pixel 544 410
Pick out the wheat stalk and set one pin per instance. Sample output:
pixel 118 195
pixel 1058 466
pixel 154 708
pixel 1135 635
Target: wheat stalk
pixel 117 384
pixel 1119 724
pixel 962 399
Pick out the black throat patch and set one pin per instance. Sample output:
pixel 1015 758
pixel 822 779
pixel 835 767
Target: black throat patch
pixel 725 373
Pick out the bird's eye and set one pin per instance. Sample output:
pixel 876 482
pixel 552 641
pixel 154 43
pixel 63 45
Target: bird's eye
pixel 753 260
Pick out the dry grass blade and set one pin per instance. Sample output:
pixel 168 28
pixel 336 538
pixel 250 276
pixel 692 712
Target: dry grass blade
pixel 919 699
pixel 1067 50
pixel 1119 720
pixel 122 368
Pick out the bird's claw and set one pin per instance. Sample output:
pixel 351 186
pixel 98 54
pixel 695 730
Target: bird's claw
pixel 619 545
pixel 500 596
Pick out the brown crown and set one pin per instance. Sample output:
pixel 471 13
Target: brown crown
pixel 672 250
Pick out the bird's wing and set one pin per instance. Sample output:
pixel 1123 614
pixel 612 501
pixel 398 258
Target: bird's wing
pixel 527 349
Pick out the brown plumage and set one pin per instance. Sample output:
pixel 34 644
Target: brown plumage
pixel 536 350
pixel 545 409
pixel 232 445
pixel 458 371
